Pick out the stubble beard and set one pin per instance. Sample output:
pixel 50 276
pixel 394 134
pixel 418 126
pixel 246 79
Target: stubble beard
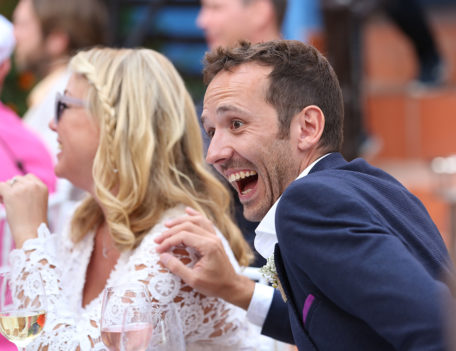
pixel 37 64
pixel 280 173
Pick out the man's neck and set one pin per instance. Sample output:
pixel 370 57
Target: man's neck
pixel 311 158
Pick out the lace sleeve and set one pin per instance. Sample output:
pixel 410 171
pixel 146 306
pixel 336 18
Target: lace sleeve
pixel 63 330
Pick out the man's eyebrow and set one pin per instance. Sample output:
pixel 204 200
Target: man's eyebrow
pixel 221 110
pixel 228 108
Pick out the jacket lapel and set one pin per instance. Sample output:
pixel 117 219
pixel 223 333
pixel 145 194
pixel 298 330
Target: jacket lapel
pixel 284 285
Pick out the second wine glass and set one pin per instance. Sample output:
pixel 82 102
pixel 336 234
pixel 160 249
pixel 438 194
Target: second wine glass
pixel 167 334
pixel 126 318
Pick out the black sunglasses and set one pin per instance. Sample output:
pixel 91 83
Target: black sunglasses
pixel 63 102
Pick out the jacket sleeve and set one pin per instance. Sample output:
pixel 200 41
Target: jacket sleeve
pixel 277 322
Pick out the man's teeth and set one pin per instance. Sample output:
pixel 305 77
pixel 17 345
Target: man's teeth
pixel 241 175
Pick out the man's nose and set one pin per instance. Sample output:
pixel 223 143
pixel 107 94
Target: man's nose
pixel 219 149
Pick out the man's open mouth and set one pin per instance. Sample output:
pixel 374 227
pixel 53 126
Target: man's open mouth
pixel 244 181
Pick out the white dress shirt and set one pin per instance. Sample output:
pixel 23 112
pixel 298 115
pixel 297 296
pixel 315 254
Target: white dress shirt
pixel 265 241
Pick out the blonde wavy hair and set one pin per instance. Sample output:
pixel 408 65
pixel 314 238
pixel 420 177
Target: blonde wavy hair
pixel 149 157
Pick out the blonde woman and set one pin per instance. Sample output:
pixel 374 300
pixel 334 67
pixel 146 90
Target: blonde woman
pixel 129 136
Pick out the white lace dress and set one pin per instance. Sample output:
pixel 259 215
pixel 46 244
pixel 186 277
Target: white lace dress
pixel 208 323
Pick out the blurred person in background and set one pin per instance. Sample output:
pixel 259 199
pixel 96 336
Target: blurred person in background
pixel 47 33
pixel 21 151
pixel 225 23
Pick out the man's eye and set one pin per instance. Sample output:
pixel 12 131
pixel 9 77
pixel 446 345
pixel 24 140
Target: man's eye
pixel 236 124
pixel 210 133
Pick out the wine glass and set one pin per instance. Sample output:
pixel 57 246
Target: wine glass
pixel 167 332
pixel 22 318
pixel 126 318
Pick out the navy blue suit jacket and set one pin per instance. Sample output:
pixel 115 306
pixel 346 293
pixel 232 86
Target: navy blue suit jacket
pixel 360 260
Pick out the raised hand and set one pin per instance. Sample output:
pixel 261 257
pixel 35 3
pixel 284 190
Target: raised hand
pixel 213 274
pixel 25 199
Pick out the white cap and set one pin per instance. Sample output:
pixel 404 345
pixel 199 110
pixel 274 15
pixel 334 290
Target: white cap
pixel 6 39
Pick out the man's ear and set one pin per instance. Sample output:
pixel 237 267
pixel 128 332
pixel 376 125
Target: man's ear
pixel 308 126
pixel 57 44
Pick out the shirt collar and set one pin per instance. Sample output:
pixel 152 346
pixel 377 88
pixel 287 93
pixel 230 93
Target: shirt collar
pixel 266 237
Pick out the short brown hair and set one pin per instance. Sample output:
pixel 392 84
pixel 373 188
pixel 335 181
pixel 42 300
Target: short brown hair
pixel 84 21
pixel 300 77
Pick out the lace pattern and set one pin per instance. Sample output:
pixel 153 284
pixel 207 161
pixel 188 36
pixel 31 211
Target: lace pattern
pixel 208 323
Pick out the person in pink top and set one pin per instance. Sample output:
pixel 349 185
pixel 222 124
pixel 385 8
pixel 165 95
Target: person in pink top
pixel 21 151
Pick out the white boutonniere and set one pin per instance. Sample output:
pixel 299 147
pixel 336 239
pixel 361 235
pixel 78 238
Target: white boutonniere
pixel 270 273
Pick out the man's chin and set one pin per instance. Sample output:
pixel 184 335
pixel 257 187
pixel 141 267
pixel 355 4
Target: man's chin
pixel 253 216
pixel 24 64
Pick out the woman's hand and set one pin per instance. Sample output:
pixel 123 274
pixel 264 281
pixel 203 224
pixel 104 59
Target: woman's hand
pixel 25 199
